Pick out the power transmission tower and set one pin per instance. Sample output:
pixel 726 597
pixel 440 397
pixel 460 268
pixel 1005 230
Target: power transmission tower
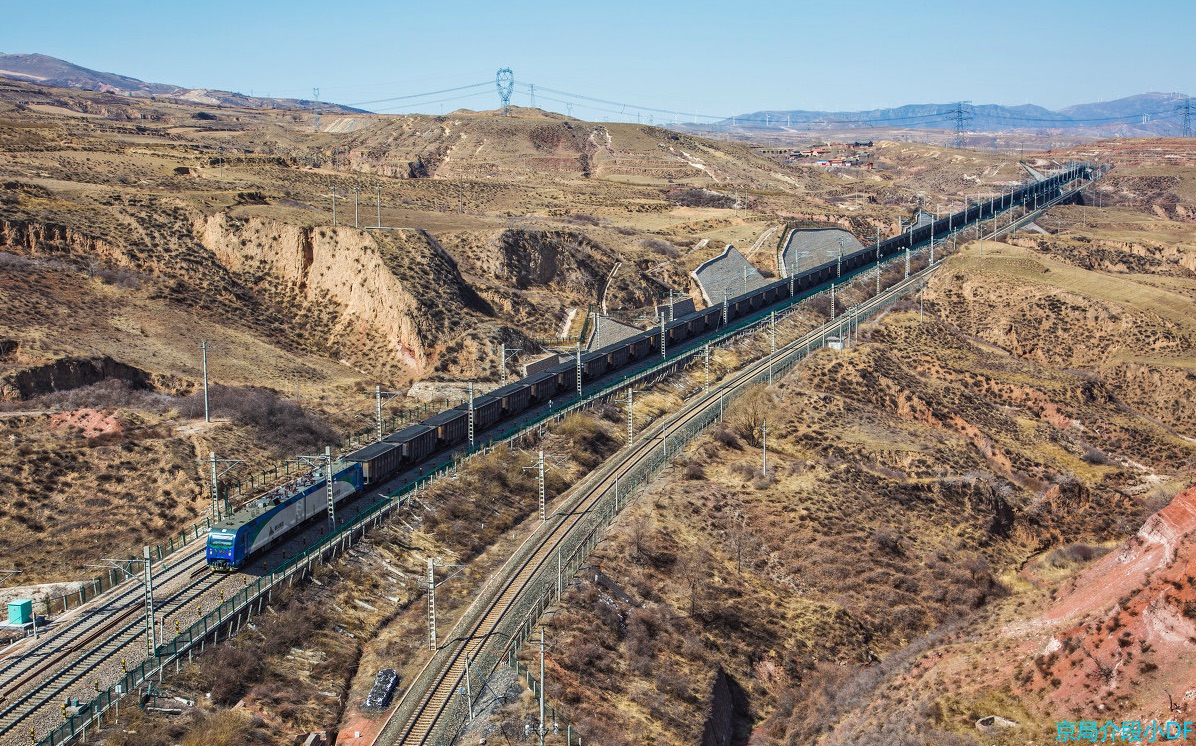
pixel 315 94
pixel 504 80
pixel 1185 109
pixel 961 115
pixel 532 90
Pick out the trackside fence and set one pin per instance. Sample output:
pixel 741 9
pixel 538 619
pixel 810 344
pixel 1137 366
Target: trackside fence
pixel 546 586
pixel 224 621
pixel 554 574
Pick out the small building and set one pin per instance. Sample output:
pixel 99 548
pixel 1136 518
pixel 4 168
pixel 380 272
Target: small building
pixel 20 612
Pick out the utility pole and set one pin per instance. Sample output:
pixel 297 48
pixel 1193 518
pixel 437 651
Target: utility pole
pixel 772 342
pixel 504 355
pixel 147 582
pixel 630 418
pixel 216 480
pixel 543 729
pixel 207 412
pixel 379 188
pixel 378 394
pixel 706 364
pixel 832 300
pixel 725 306
pixel 356 195
pixel 663 335
pixel 764 444
pixel 431 603
pixel 471 443
pixel 334 207
pixel 539 467
pixel 329 485
pixel 578 370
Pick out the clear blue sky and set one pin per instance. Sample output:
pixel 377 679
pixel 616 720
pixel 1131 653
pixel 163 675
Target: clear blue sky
pixel 720 58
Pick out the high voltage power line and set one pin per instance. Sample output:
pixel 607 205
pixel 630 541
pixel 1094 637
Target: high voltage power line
pixel 957 114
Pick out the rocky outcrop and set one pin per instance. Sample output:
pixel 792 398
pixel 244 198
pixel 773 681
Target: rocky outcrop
pixel 341 265
pixel 69 373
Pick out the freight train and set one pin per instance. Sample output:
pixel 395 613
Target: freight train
pixel 268 519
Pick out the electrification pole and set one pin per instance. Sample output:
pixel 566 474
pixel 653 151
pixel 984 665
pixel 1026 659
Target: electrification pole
pixel 431 603
pixel 539 467
pixel 764 444
pixel 213 461
pixel 579 370
pixel 471 443
pixel 630 419
pixel 378 400
pixel 706 364
pixel 772 342
pixel 663 353
pixel 504 355
pixel 207 412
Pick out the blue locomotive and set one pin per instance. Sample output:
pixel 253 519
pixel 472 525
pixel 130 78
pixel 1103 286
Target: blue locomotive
pixel 268 518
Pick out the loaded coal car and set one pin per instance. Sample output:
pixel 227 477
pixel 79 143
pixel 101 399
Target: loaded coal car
pixel 514 397
pixel 593 366
pixel 617 355
pixel 640 345
pixel 267 519
pixel 451 425
pixel 711 317
pixel 678 332
pixel 486 411
pixel 417 442
pixel 566 377
pixel 378 461
pixel 543 386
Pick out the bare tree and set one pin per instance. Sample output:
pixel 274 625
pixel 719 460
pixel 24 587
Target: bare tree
pixel 749 411
pixel 641 528
pixel 693 567
pixel 741 539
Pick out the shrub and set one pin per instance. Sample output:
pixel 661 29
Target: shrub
pixel 1094 455
pixel 664 248
pixel 702 198
pixel 282 424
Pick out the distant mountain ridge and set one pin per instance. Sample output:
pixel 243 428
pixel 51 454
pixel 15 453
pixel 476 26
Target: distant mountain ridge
pixel 1146 114
pixel 51 71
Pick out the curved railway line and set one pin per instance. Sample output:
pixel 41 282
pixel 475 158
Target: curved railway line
pixel 481 624
pixel 38 675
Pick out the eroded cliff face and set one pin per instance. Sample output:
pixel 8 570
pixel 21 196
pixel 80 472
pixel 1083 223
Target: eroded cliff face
pixel 338 265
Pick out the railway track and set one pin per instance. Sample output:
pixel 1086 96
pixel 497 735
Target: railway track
pixel 480 626
pixel 42 675
pixel 83 624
